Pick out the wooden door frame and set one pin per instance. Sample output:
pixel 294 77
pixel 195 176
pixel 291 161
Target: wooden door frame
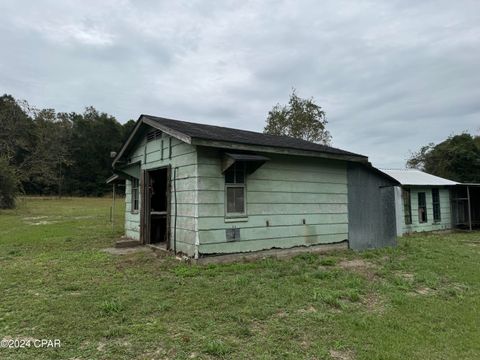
pixel 145 218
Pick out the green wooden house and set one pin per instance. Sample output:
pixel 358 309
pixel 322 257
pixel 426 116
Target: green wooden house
pixel 202 190
pixel 423 201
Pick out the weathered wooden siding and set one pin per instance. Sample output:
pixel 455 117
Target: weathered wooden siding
pixel 430 225
pixel 284 191
pixel 184 158
pixel 132 220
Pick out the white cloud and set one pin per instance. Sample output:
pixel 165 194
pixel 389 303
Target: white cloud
pixel 76 33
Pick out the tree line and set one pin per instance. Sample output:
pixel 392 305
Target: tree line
pixel 44 152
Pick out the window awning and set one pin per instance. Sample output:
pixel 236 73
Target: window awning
pixel 252 161
pixel 129 171
pixel 115 178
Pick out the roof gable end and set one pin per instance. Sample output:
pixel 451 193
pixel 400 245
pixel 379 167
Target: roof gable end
pixel 133 137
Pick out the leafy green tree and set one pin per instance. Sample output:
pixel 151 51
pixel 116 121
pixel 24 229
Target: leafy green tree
pixel 457 158
pixel 16 133
pixel 8 184
pixel 94 136
pixel 301 118
pixel 51 154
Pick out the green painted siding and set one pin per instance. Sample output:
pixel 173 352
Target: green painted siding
pixel 132 220
pixel 284 191
pixel 184 158
pixel 290 200
pixel 430 225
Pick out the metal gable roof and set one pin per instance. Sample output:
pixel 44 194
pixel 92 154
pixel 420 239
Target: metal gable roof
pixel 417 177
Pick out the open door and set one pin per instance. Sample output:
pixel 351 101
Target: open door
pixel 155 214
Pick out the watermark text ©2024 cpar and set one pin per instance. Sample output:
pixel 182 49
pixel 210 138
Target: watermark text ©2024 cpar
pixel 10 343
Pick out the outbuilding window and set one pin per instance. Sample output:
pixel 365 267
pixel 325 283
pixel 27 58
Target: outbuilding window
pixel 437 216
pixel 422 208
pixel 235 199
pixel 135 195
pixel 407 206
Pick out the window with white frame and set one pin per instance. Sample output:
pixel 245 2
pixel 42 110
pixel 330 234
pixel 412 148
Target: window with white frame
pixel 135 195
pixel 235 194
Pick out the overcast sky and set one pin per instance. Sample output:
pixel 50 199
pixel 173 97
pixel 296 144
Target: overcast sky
pixel 391 75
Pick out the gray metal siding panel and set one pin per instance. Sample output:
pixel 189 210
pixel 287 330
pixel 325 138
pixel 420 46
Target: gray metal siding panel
pixel 371 209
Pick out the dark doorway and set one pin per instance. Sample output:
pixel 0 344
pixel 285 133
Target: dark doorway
pixel 159 189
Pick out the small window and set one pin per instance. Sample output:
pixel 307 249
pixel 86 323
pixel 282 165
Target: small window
pixel 437 216
pixel 235 190
pixel 422 208
pixel 407 206
pixel 135 195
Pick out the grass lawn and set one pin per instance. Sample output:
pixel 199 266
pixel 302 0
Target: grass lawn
pixel 420 300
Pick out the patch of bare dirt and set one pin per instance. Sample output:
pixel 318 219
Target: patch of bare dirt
pixel 124 251
pixel 258 328
pixel 101 346
pixel 405 275
pixel 373 303
pixel 471 243
pixel 357 263
pixel 342 354
pixel 423 291
pixel 362 267
pixel 305 344
pixel 42 222
pixel 28 218
pixel 281 314
pixel 157 354
pixel 310 309
pixel 132 259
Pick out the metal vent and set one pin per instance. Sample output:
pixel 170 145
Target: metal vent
pixel 153 135
pixel 232 234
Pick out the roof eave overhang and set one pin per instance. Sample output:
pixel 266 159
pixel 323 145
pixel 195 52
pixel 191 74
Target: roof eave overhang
pixel 433 185
pixel 144 120
pixel 277 150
